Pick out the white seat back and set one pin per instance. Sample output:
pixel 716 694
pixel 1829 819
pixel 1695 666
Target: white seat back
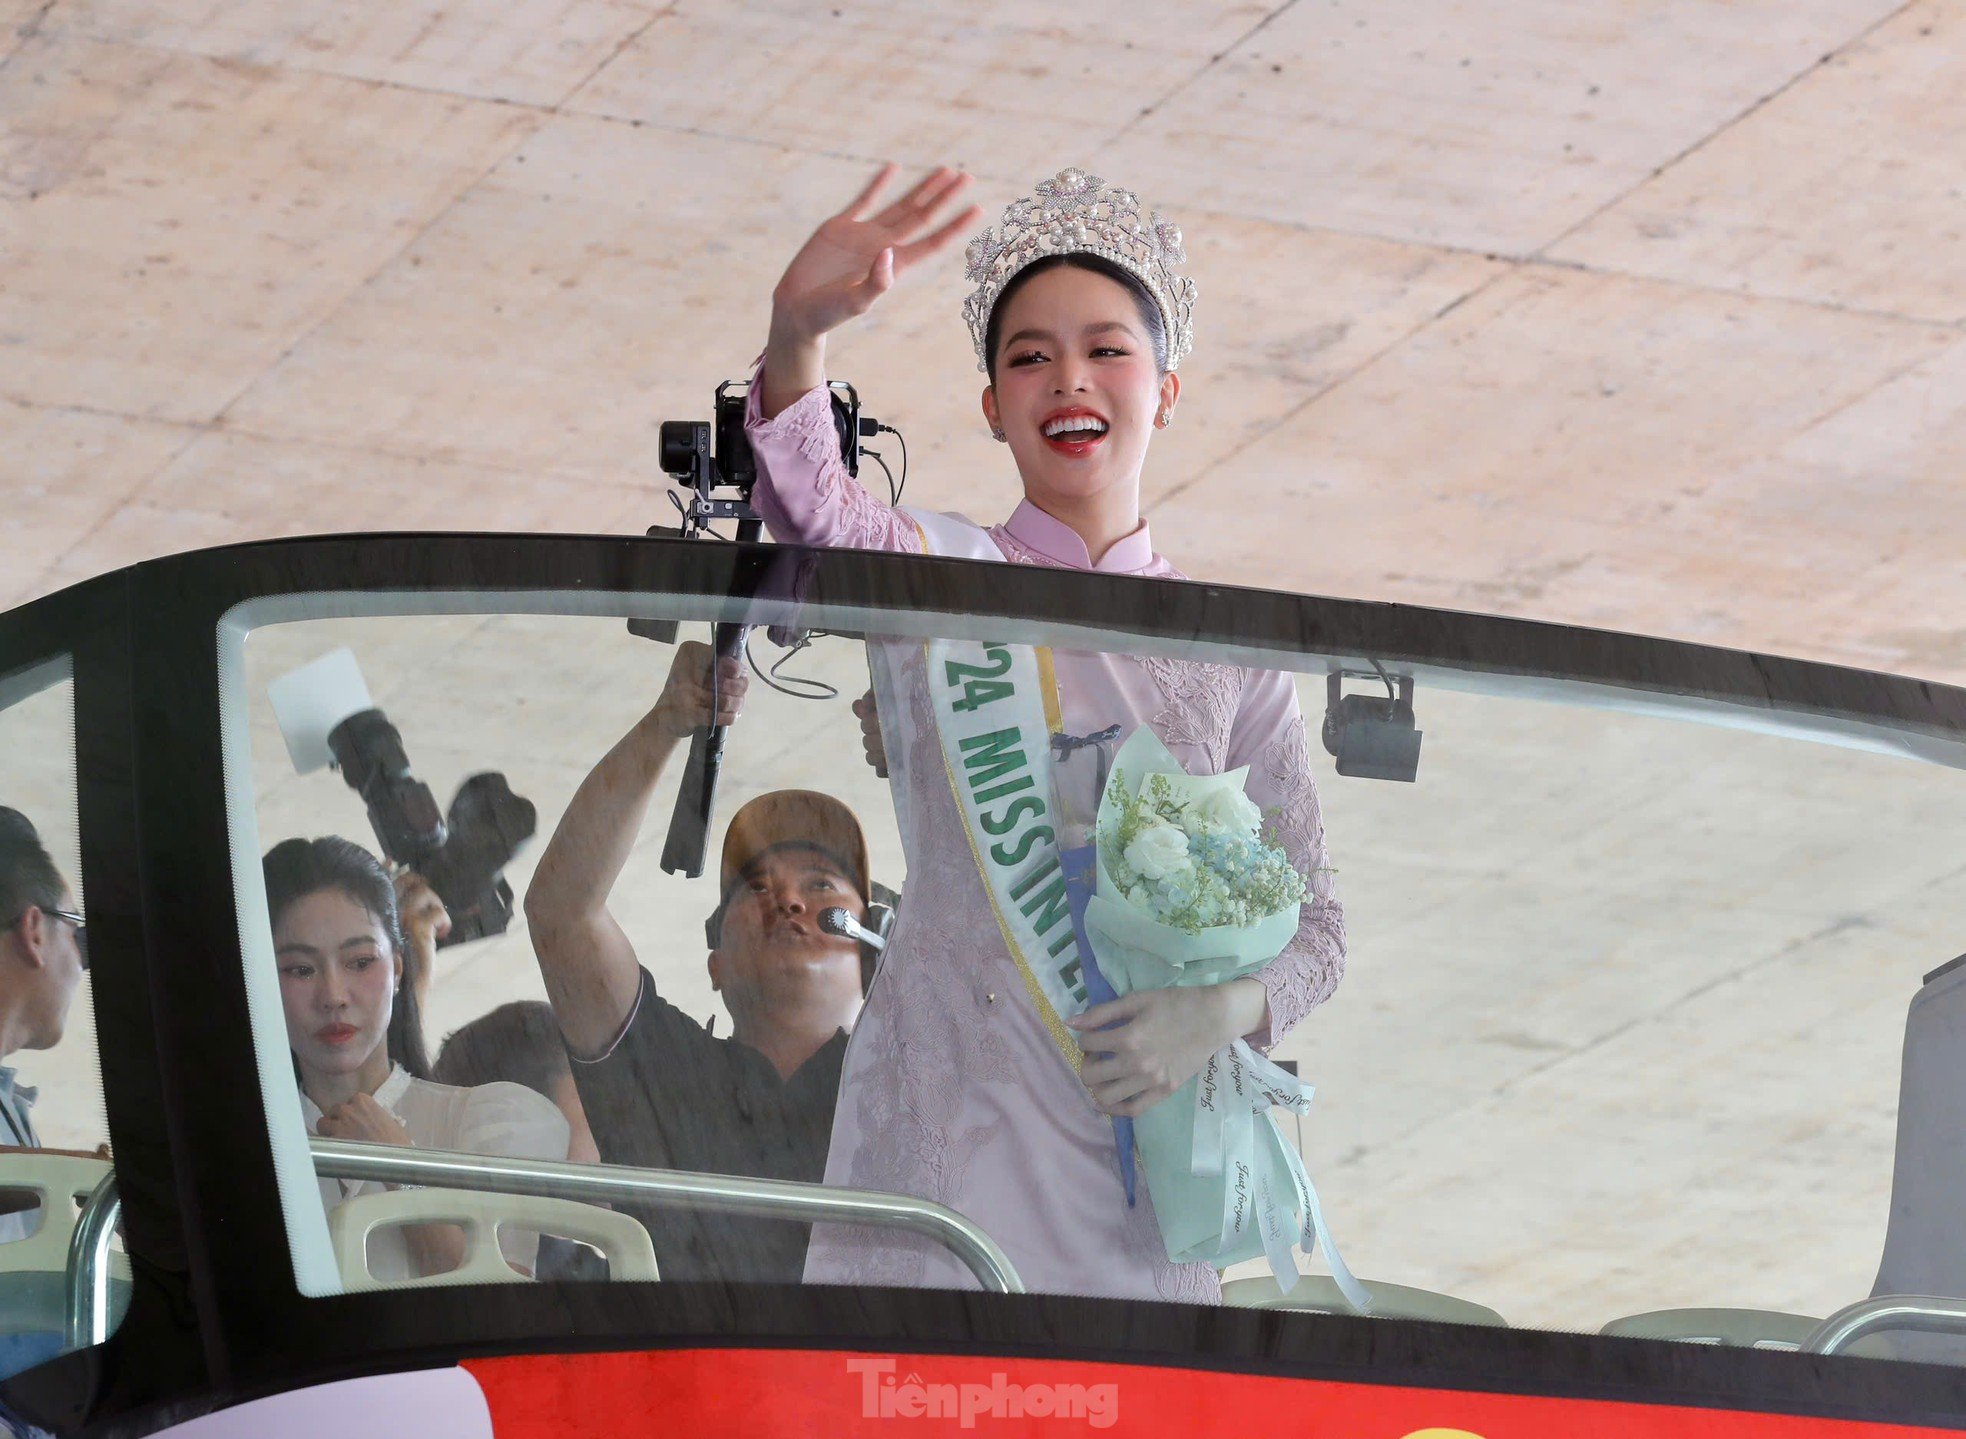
pixel 1743 1328
pixel 1319 1294
pixel 620 1238
pixel 61 1181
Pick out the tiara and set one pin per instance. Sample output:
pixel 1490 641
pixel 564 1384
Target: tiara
pixel 1074 213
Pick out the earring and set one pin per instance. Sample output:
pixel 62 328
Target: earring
pixel 998 436
pixel 1162 418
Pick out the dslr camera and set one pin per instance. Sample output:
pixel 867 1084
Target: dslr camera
pixel 328 720
pixel 462 852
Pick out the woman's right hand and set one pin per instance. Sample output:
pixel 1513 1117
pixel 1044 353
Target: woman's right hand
pixel 363 1119
pixel 850 261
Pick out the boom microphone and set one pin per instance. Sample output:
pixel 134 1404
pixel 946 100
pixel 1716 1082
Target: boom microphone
pixel 838 921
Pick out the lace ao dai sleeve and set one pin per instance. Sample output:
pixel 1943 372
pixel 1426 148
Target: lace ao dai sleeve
pixel 1269 737
pixel 804 491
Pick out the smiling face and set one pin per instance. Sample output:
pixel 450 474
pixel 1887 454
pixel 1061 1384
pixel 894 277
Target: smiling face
pixel 338 976
pixel 1077 388
pixel 771 953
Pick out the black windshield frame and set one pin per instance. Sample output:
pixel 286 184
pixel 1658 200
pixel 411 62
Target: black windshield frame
pixel 216 1316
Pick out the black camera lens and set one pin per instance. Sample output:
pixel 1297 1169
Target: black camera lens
pixel 682 442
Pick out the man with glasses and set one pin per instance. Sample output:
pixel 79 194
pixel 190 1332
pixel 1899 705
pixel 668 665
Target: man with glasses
pixel 43 953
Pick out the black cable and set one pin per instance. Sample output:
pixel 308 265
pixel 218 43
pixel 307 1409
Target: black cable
pixel 797 686
pixel 893 490
pixel 903 439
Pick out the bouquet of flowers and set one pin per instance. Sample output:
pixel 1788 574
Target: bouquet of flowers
pixel 1191 890
pixel 1192 856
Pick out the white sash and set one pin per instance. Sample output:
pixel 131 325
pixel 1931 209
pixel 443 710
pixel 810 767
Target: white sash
pixel 996 708
pixel 954 535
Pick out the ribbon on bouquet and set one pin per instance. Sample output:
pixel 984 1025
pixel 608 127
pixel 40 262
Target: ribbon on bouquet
pixel 1234 1096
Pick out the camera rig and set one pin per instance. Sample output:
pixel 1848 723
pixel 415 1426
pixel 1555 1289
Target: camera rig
pixel 713 457
pixel 713 461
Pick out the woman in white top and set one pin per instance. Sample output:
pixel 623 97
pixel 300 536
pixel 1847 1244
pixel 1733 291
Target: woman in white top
pixel 339 939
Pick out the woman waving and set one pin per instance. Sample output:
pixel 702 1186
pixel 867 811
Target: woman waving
pixel 975 1076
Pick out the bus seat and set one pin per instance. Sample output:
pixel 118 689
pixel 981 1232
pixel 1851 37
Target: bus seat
pixel 1923 1253
pixel 34 1269
pixel 1922 1249
pixel 1319 1294
pixel 621 1239
pixel 1745 1328
pixel 60 1182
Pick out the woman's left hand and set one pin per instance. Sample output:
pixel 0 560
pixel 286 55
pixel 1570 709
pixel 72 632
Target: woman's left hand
pixel 1162 1039
pixel 361 1118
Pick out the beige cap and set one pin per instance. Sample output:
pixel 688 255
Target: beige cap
pixel 794 816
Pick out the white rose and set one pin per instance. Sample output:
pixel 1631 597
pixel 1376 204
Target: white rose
pixel 1158 852
pixel 1230 811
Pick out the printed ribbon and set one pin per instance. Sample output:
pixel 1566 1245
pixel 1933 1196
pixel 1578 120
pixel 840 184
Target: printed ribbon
pixel 1234 1095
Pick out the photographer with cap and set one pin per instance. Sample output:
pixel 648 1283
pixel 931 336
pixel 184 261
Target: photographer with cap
pixel 660 1089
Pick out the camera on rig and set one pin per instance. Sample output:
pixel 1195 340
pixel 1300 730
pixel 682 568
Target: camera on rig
pixel 713 460
pixel 713 457
pixel 462 852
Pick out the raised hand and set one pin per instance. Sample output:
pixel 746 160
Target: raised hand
pixel 426 923
pixel 685 705
pixel 424 918
pixel 847 264
pixel 852 259
pixel 870 733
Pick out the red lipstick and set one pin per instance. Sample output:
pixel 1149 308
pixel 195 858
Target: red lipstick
pixel 1078 441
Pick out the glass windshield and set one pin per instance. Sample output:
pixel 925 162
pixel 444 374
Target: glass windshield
pixel 1602 994
pixel 54 1152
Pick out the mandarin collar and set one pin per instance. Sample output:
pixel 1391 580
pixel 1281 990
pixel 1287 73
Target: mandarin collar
pixel 1056 540
pixel 393 1088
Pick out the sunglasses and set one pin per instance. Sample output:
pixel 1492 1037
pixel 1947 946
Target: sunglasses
pixel 81 930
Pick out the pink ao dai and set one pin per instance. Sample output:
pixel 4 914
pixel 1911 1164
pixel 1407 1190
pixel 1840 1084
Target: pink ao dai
pixel 952 1087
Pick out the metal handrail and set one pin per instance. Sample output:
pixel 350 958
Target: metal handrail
pixel 88 1265
pixel 674 1189
pixel 1925 1313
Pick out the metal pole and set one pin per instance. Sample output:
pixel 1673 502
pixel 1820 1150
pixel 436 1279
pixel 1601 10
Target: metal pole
pixel 674 1189
pixel 1925 1313
pixel 88 1264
